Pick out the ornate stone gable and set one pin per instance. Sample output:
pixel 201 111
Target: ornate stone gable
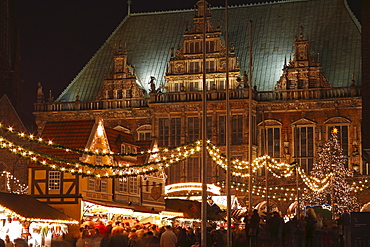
pixel 303 72
pixel 184 72
pixel 121 83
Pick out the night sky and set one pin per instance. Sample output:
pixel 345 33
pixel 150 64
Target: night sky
pixel 58 37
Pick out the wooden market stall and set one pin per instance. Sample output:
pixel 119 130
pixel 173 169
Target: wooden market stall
pixel 23 216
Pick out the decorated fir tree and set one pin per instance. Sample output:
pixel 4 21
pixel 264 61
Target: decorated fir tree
pixel 336 190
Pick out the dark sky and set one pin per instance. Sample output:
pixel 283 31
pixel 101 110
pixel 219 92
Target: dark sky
pixel 58 37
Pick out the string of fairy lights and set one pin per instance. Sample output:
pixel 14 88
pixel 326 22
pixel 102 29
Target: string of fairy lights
pixel 277 193
pixel 75 167
pixel 161 159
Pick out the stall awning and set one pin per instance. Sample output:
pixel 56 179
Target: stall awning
pixel 28 208
pixel 133 207
pixel 192 209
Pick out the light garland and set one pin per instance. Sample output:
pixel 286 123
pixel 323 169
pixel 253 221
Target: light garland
pixel 280 193
pixel 106 171
pixel 361 186
pixel 51 144
pixel 168 157
pixel 22 218
pixel 22 188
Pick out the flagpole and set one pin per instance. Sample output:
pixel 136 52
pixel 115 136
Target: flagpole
pixel 204 127
pixel 250 122
pixel 228 140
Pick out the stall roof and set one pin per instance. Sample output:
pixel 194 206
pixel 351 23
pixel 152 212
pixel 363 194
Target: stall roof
pixel 192 209
pixel 133 207
pixel 31 209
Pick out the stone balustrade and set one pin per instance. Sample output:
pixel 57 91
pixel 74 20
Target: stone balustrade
pixel 299 94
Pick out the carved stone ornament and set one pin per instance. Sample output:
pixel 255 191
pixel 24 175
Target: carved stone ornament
pixel 156 192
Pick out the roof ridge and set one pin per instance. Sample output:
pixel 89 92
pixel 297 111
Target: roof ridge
pixel 215 7
pixel 352 15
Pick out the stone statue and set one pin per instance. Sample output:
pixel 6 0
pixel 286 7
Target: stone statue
pixel 40 93
pixel 152 85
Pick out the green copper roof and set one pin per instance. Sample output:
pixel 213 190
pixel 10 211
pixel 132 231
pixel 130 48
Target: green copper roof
pixel 333 31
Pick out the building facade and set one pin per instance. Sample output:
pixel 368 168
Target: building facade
pixel 305 78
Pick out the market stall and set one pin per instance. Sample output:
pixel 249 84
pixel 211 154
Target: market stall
pixel 94 210
pixel 23 216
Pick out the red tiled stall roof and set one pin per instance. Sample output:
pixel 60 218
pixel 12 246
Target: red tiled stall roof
pixel 72 134
pixel 30 208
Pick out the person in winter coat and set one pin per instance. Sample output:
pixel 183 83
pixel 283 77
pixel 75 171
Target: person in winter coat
pixel 168 238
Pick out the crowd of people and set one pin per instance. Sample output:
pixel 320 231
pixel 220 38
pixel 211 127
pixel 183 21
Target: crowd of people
pixel 121 234
pixel 258 230
pixel 309 230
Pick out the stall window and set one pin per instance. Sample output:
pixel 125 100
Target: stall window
pixel 54 180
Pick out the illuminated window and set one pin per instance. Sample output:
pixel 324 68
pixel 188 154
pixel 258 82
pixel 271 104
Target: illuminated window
pixel 210 46
pixel 194 67
pixel 194 86
pixel 209 128
pixel 221 130
pixel 144 132
pixel 175 131
pixel 237 130
pixel 194 47
pixel 222 85
pixel 54 180
pixel 98 185
pixel 143 136
pixel 133 185
pixel 210 66
pixel 193 170
pixel 304 146
pixel 177 87
pixel 193 129
pixel 164 133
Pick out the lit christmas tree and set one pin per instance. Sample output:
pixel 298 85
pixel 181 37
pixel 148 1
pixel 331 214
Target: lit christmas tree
pixel 337 190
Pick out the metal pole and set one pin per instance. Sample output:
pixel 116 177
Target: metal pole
pixel 204 136
pixel 228 141
pixel 250 121
pixel 265 150
pixel 297 187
